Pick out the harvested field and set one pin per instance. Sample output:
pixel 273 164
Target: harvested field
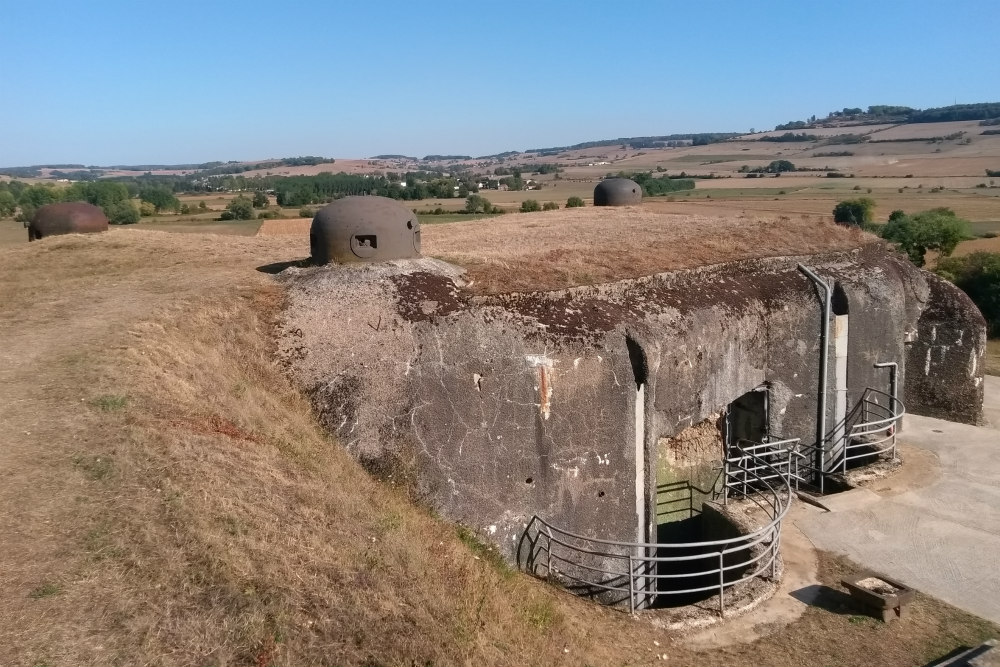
pixel 556 249
pixel 290 227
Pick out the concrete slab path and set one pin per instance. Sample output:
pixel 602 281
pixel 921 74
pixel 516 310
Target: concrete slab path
pixel 943 538
pixel 991 401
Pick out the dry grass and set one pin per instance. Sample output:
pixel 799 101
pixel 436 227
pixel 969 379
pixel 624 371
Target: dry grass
pixel 291 227
pixel 993 356
pixel 173 501
pixel 555 249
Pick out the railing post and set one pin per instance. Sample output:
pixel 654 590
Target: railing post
pixel 894 398
pixel 775 548
pixel 631 585
pixel 722 584
pixel 548 554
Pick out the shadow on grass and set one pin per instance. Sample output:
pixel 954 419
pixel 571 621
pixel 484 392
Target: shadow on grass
pixel 826 598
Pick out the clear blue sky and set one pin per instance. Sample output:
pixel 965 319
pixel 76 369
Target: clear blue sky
pixel 113 82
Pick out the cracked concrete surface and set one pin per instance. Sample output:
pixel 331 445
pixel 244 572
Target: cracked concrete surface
pixel 944 538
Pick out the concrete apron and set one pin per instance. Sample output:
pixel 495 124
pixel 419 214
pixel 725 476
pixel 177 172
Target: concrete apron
pixel 943 538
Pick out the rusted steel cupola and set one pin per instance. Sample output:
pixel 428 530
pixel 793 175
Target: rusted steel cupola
pixel 67 218
pixel 364 229
pixel 617 192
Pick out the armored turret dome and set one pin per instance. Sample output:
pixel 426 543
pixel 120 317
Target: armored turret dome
pixel 617 192
pixel 364 229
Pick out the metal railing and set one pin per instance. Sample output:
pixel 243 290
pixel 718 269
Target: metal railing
pixel 875 434
pixel 748 461
pixel 642 572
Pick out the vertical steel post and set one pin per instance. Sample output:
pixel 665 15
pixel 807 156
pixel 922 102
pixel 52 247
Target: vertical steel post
pixel 893 369
pixel 631 585
pixel 722 587
pixel 548 554
pixel 823 367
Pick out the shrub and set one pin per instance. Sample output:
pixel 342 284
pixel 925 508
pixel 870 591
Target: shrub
pixel 978 275
pixel 550 206
pixel 530 206
pixel 477 203
pixel 937 229
pixel 122 212
pixel 574 202
pixel 305 212
pixel 146 209
pixel 241 208
pixel 854 211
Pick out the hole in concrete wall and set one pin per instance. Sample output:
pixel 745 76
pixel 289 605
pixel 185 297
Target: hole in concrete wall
pixel 839 302
pixel 367 240
pixel 687 479
pixel 529 480
pixel 600 494
pixel 637 356
pixel 409 224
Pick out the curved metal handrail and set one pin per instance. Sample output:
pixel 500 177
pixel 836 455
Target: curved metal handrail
pixel 590 561
pixel 884 428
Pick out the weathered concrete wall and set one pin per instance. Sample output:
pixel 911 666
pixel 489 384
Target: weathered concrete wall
pixel 945 361
pixel 497 409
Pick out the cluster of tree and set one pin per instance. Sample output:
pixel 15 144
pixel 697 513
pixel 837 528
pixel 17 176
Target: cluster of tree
pixel 325 187
pixel 160 198
pixel 574 202
pixel 978 275
pixel 393 156
pixel 697 139
pixel 499 156
pixel 114 198
pixel 446 158
pixel 531 205
pixel 834 154
pixel 546 169
pixel 775 167
pixel 881 113
pixel 480 204
pixel 794 125
pixel 937 229
pixel 35 171
pixel 78 175
pixel 240 208
pixel 653 186
pixel 990 121
pixel 791 136
pixel 233 167
pixel 858 212
pixel 993 173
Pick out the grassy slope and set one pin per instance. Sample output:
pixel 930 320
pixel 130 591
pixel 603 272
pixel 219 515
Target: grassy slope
pixel 171 500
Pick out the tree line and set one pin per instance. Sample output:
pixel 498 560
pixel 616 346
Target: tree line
pixel 940 230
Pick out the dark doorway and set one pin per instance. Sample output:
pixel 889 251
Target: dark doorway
pixel 747 417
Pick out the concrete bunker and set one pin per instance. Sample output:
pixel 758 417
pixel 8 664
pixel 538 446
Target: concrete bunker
pixel 364 229
pixel 66 218
pixel 542 420
pixel 617 192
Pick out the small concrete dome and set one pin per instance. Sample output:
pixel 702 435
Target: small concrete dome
pixel 364 229
pixel 67 218
pixel 617 192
